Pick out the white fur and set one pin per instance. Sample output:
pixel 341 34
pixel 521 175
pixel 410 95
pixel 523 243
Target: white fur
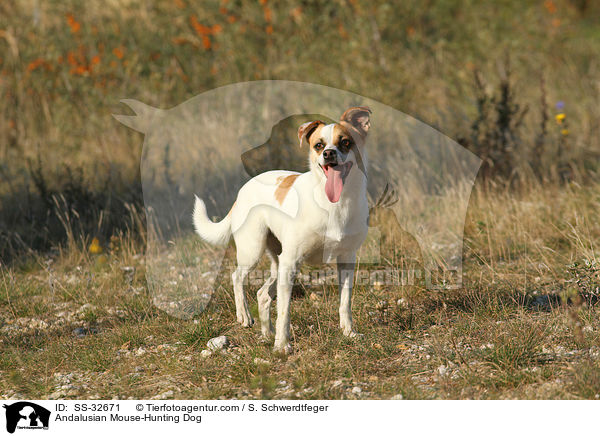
pixel 309 227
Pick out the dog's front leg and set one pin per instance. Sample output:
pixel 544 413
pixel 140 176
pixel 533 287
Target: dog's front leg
pixel 345 267
pixel 285 280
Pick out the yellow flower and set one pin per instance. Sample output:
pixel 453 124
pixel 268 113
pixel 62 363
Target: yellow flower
pixel 560 117
pixel 95 247
pixel 564 132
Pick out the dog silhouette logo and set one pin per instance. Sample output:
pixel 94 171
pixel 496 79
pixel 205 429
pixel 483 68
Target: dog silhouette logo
pixel 26 415
pixel 213 143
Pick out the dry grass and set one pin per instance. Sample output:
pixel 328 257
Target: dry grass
pixel 74 324
pixel 523 325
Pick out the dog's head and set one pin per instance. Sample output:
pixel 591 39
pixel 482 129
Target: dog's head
pixel 336 151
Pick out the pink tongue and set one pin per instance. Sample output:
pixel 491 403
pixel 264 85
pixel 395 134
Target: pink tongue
pixel 334 184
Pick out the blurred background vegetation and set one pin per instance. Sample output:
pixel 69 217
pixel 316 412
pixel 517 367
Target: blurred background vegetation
pixel 514 81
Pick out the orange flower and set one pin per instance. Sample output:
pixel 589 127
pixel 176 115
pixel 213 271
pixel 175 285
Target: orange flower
pixel 269 29
pixel 73 23
pixel 95 60
pixel 217 28
pixel 550 6
pixel 118 52
pixel 223 10
pixel 555 22
pixel 206 42
pixel 80 70
pixel 268 14
pixel 231 19
pixel 33 65
pixel 262 2
pixel 180 4
pixel 199 28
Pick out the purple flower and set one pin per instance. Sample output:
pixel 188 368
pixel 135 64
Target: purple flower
pixel 560 104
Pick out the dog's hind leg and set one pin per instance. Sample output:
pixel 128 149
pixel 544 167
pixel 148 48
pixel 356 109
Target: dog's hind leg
pixel 288 266
pixel 241 303
pixel 250 242
pixel 266 294
pixel 249 251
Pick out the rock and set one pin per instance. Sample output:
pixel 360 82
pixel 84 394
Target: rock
pixel 218 344
pixel 259 361
pixel 397 397
pixel 442 370
pixel 337 383
pixel 205 353
pixel 38 324
pixel 163 396
pixel 356 390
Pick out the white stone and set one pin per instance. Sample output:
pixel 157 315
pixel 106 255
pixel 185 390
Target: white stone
pixel 218 343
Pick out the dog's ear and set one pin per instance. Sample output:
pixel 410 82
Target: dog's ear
pixel 305 130
pixel 357 119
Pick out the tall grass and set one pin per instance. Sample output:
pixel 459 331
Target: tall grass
pixel 64 65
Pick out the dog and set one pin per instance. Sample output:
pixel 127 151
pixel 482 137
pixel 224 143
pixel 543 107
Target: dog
pixel 314 217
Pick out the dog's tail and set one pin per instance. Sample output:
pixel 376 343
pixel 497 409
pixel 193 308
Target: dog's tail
pixel 213 233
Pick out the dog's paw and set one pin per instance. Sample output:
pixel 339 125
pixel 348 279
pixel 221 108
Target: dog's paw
pixel 350 333
pixel 245 319
pixel 267 332
pixel 282 348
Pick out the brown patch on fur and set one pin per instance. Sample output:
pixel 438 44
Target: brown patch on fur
pixel 307 129
pixel 340 133
pixel 284 186
pixel 315 137
pixel 357 120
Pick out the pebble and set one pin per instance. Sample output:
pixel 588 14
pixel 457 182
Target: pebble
pixel 397 397
pixel 442 370
pixel 163 396
pixel 219 343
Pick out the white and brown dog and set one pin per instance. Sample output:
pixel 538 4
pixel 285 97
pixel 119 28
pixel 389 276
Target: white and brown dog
pixel 317 216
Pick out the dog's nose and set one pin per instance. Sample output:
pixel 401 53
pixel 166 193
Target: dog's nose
pixel 329 156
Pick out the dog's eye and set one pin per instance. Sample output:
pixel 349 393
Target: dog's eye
pixel 318 146
pixel 345 143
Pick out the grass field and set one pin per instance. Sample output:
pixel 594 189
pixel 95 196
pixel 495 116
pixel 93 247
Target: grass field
pixel 525 325
pixel 77 317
